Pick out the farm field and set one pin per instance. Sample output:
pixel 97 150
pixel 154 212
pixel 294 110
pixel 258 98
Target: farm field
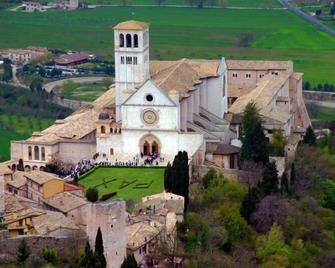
pixel 320 113
pixel 129 183
pixel 84 92
pixel 18 127
pixel 5 137
pixel 228 3
pixel 183 32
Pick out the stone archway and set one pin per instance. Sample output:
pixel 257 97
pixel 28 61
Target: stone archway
pixel 149 144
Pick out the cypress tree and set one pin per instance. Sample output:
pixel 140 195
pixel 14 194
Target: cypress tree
pixel 100 260
pixel 309 137
pixel 270 179
pixel 250 201
pixel 254 145
pixel 260 151
pixel 129 262
pixel 292 179
pixel 284 185
pixel 168 178
pixel 23 252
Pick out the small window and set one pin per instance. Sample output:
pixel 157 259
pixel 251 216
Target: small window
pixel 135 60
pixel 128 40
pixel 135 40
pixel 121 40
pixel 149 98
pixel 30 154
pixel 122 59
pixel 111 153
pixel 103 129
pixel 248 75
pixel 235 75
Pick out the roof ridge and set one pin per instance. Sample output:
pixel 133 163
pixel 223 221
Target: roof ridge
pixel 173 70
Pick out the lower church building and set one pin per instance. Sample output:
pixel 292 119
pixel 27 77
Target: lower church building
pixel 157 108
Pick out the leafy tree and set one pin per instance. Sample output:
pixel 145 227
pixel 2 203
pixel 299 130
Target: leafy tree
pixel 50 255
pixel 307 85
pixel 209 177
pixel 273 247
pixel 277 145
pixel 328 194
pixel 92 195
pixel 253 139
pixel 23 252
pixel 129 262
pixel 7 70
pixel 269 183
pixel 309 137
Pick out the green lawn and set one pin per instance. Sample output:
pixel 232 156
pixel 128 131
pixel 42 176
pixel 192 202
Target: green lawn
pixel 18 127
pixel 5 137
pixel 182 32
pixel 84 92
pixel 125 181
pixel 320 113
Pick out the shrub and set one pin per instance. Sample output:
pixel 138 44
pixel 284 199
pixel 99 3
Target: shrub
pixel 49 255
pixel 92 195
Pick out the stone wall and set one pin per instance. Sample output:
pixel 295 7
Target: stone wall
pixel 67 246
pixel 319 96
pixel 246 177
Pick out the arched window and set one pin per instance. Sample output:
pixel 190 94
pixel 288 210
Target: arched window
pixel 103 129
pixel 30 153
pixel 36 153
pixel 128 40
pixel 135 40
pixel 121 40
pixel 43 153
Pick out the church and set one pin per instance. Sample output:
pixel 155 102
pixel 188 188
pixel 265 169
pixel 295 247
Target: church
pixel 162 107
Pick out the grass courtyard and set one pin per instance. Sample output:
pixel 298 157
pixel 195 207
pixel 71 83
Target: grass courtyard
pixel 131 183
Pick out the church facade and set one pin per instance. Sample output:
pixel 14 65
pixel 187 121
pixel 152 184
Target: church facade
pixel 162 107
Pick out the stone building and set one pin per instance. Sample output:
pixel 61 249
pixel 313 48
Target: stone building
pixel 161 107
pixel 33 6
pixel 110 217
pixel 24 56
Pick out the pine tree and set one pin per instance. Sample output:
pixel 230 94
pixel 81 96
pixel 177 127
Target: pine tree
pixel 23 252
pixel 270 179
pixel 309 137
pixel 129 262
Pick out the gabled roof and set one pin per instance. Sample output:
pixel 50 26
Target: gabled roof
pixel 65 201
pixel 131 25
pixel 182 75
pixel 41 177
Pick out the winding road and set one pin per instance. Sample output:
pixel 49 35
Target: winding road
pixel 307 17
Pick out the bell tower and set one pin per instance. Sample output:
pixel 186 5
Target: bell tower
pixel 131 45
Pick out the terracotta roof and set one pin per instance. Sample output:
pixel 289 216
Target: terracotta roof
pixel 4 169
pixel 259 65
pixel 77 125
pixel 24 213
pixel 12 203
pixel 141 233
pixel 226 149
pixel 19 179
pixel 51 221
pixel 71 59
pixel 182 75
pixel 65 201
pixel 131 25
pixel 41 177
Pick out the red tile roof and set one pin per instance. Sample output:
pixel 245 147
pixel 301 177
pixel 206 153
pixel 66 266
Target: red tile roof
pixel 71 59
